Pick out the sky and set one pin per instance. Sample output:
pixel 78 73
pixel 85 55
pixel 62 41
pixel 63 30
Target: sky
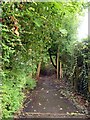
pixel 83 28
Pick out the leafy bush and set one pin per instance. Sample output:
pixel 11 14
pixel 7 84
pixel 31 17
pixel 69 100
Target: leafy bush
pixel 26 37
pixel 30 83
pixel 13 83
pixel 78 69
pixel 11 100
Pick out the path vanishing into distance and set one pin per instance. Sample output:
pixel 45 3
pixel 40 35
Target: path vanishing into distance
pixel 47 101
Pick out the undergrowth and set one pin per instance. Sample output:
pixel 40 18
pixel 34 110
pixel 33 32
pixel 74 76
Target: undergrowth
pixel 13 85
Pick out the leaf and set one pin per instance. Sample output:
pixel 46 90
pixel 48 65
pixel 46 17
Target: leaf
pixel 16 32
pixel 43 17
pixel 31 8
pixel 61 109
pixel 73 113
pixel 37 22
pixel 55 94
pixel 47 92
pixel 63 31
pixel 32 107
pixel 42 89
pixel 40 104
pixel 34 110
pixel 5 30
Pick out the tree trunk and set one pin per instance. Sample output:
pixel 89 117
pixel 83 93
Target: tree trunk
pixel 52 59
pixel 38 71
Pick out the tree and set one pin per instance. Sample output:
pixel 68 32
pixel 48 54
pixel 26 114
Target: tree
pixel 29 31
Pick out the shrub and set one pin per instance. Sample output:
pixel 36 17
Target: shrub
pixel 13 83
pixel 30 83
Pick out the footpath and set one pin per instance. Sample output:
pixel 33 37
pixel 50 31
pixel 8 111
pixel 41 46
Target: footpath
pixel 48 101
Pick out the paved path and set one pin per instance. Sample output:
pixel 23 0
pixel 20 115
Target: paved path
pixel 46 101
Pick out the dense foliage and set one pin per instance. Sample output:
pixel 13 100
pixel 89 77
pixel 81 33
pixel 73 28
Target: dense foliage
pixel 29 30
pixel 78 71
pixel 81 68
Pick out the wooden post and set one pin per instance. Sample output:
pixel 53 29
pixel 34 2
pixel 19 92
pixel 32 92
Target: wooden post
pixel 58 64
pixel 38 70
pixel 60 70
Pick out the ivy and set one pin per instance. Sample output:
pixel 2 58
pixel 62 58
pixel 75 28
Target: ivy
pixel 29 31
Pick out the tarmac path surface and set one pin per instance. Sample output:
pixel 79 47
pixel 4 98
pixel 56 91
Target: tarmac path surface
pixel 46 101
